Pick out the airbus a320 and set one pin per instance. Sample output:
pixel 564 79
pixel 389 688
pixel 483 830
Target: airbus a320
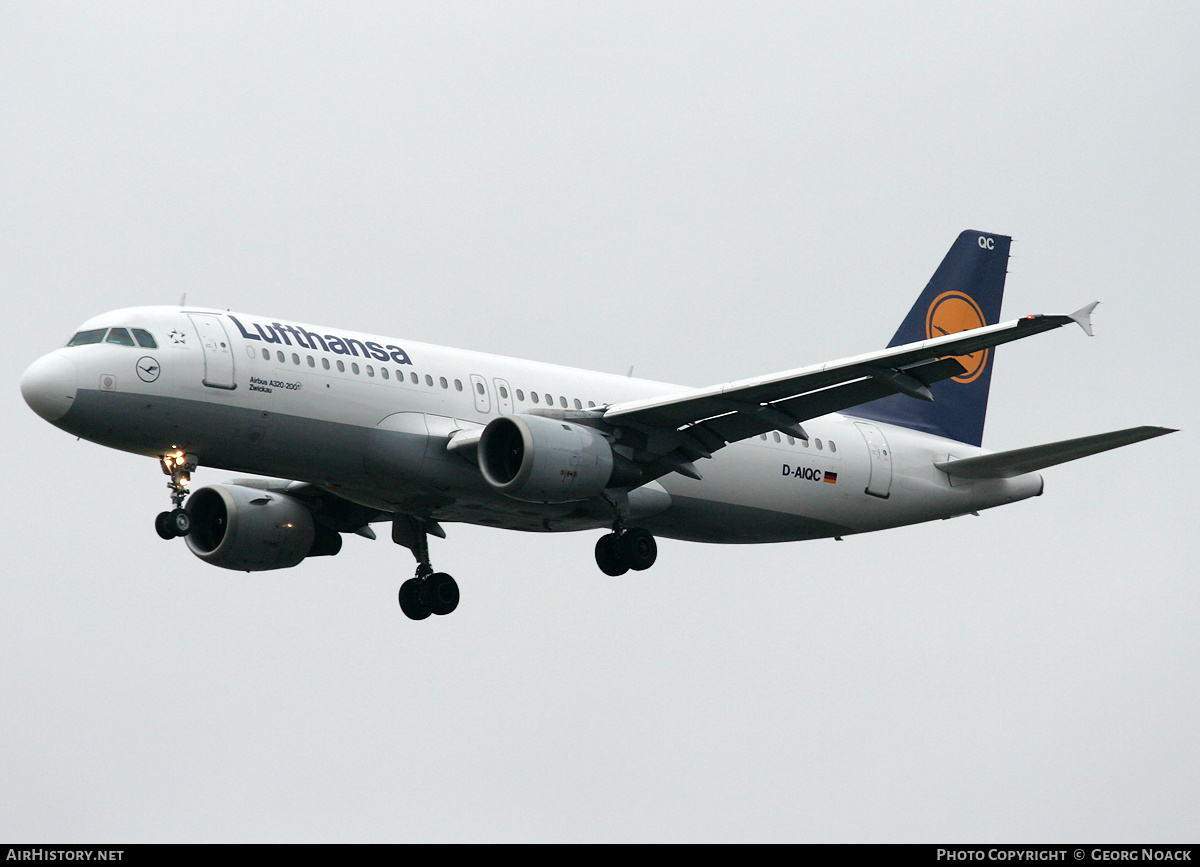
pixel 342 430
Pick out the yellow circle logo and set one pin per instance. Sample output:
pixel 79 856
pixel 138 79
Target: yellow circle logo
pixel 950 313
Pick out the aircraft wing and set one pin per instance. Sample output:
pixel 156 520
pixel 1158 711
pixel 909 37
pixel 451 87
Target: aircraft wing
pixel 708 418
pixel 336 513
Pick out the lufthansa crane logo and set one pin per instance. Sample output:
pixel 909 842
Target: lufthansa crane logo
pixel 950 313
pixel 148 369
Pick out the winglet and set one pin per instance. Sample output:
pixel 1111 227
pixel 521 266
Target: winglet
pixel 1083 316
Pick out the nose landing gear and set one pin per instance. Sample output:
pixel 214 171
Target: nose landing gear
pixel 176 522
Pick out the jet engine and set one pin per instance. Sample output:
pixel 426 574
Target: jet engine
pixel 252 530
pixel 544 460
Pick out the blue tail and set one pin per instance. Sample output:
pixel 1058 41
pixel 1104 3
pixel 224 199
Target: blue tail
pixel 965 292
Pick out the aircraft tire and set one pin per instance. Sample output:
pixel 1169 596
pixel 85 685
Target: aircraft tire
pixel 162 525
pixel 412 600
pixel 441 593
pixel 608 555
pixel 638 549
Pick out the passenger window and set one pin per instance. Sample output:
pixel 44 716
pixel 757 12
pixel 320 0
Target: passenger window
pixel 832 446
pixel 415 381
pixel 83 338
pixel 578 405
pixel 325 363
pixel 296 359
pixel 383 372
pixel 370 370
pixel 549 400
pixel 443 383
pixel 144 338
pixel 777 439
pixel 311 362
pixel 791 440
pixel 266 355
pixel 458 385
pixel 819 443
pixel 119 336
pixel 354 367
pixel 429 380
pixel 279 355
pixel 562 401
pixel 479 387
pixel 504 392
pixel 341 366
pixel 591 405
pixel 520 395
pixel 534 395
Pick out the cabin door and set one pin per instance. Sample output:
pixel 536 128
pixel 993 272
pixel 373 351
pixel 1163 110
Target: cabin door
pixel 880 482
pixel 218 353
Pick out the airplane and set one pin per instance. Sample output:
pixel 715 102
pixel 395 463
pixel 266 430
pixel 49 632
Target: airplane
pixel 342 430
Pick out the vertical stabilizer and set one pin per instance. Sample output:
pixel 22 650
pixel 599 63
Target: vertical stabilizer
pixel 965 292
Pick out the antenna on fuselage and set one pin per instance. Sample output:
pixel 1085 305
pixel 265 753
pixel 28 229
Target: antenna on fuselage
pixel 183 300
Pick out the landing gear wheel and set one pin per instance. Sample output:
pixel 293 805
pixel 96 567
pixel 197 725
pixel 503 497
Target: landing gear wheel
pixel 638 549
pixel 441 593
pixel 179 521
pixel 412 600
pixel 162 524
pixel 608 555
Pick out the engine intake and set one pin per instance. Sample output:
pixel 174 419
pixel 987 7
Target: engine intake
pixel 544 460
pixel 252 530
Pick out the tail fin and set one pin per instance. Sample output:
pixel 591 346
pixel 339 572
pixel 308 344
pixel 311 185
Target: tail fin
pixel 965 292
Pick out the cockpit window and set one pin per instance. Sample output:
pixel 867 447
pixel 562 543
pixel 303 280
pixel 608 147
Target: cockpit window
pixel 83 338
pixel 120 336
pixel 144 338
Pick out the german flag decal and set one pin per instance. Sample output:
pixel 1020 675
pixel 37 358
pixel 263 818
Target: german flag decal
pixel 831 478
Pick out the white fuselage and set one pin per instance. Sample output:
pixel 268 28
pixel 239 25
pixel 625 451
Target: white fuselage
pixel 369 418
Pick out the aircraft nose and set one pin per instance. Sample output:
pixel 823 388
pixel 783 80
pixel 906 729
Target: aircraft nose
pixel 49 384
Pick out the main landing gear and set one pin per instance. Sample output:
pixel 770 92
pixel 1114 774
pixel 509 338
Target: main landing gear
pixel 427 592
pixel 621 550
pixel 176 522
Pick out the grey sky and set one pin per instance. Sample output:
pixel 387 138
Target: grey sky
pixel 705 191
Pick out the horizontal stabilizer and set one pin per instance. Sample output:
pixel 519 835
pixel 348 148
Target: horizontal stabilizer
pixel 1004 465
pixel 1083 316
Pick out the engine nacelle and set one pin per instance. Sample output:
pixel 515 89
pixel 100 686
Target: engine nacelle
pixel 544 460
pixel 252 530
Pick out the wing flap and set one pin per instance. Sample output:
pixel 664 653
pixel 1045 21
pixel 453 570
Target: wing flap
pixel 1017 462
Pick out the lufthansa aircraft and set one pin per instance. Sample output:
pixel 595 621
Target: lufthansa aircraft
pixel 346 429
